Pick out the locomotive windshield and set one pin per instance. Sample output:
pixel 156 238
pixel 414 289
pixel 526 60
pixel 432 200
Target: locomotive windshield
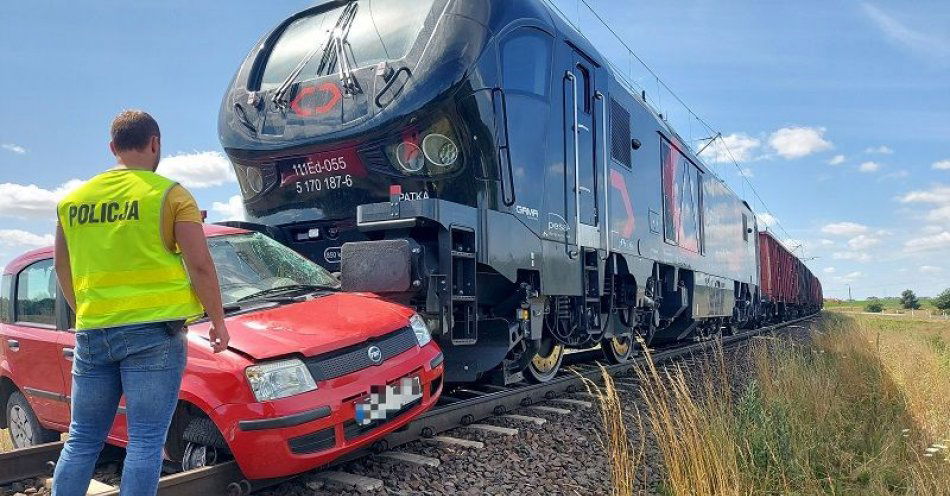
pixel 379 30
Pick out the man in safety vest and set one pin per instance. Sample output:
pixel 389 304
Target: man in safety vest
pixel 133 262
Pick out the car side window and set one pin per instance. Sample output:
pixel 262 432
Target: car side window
pixel 6 289
pixel 36 289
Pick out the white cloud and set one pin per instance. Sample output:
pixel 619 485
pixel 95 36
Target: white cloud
pixel 941 165
pixel 837 160
pixel 32 201
pixel 741 145
pixel 747 172
pixel 934 242
pixel 938 196
pixel 932 229
pixel 232 210
pixel 198 169
pixel 869 167
pixel 930 269
pixel 880 150
pixel 856 256
pixel 925 44
pixel 851 276
pixel 862 242
pixel 830 270
pixel 14 148
pixel 844 229
pixel 896 175
pixel 766 219
pixel 797 142
pixel 826 242
pixel 15 238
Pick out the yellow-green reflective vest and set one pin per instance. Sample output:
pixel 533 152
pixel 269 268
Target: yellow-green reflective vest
pixel 122 271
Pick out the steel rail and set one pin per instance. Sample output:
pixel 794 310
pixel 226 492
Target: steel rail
pixel 485 401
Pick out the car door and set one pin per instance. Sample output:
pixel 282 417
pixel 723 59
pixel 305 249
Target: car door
pixel 33 344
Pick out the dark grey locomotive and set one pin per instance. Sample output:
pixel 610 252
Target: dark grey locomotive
pixel 480 161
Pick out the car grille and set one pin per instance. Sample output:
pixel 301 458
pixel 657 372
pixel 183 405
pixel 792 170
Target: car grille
pixel 312 443
pixel 356 358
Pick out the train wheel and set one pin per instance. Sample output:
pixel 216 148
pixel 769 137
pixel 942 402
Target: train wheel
pixel 618 350
pixel 546 364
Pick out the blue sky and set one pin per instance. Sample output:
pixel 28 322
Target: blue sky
pixel 838 111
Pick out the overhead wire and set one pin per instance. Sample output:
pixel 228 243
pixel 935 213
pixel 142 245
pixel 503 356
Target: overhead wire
pixel 718 134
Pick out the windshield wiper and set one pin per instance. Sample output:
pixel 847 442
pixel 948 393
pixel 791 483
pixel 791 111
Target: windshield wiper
pixel 346 18
pixel 286 289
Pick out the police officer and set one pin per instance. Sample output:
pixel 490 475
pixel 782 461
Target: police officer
pixel 133 262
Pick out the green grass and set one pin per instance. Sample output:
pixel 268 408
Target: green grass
pixel 891 305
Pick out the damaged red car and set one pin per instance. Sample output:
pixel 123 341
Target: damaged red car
pixel 294 391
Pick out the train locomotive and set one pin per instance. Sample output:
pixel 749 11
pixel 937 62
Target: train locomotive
pixel 481 161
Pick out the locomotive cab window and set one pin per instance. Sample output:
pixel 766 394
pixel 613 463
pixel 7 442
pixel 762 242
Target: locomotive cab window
pixel 526 62
pixel 745 227
pixel 36 294
pixel 380 30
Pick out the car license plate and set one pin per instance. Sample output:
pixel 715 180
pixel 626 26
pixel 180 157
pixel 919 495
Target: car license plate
pixel 385 400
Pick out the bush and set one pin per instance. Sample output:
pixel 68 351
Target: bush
pixel 942 301
pixel 909 300
pixel 875 307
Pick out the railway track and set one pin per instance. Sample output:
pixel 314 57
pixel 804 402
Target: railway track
pixel 461 407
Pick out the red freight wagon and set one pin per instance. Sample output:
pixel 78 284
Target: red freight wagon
pixel 788 287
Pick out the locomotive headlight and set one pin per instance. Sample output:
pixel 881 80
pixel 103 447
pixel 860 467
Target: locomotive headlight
pixel 440 150
pixel 254 179
pixel 274 380
pixel 423 336
pixel 410 157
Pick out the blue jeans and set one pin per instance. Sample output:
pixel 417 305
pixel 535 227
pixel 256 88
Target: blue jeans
pixel 146 364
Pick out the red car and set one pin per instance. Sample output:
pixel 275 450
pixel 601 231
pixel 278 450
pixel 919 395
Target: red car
pixel 295 390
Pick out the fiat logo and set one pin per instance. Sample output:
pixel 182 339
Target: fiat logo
pixel 375 354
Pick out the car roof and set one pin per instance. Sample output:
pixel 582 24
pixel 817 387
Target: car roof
pixel 17 264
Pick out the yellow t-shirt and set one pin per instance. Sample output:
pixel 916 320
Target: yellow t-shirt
pixel 179 206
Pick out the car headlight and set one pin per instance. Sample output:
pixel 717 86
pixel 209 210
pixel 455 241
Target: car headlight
pixel 423 336
pixel 274 380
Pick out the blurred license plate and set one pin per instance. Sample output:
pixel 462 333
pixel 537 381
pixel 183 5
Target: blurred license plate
pixel 386 400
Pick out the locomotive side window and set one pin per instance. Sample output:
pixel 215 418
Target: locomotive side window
pixel 585 84
pixel 745 227
pixel 526 63
pixel 671 217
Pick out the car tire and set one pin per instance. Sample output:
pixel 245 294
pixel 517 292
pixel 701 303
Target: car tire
pixel 24 428
pixel 204 445
pixel 202 431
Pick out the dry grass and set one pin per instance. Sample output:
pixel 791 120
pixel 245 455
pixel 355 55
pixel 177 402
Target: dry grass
pixel 865 410
pixel 5 443
pixel 625 458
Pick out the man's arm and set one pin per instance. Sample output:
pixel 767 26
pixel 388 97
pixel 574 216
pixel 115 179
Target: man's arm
pixel 64 271
pixel 194 250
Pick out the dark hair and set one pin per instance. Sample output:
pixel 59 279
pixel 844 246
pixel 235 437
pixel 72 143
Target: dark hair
pixel 133 129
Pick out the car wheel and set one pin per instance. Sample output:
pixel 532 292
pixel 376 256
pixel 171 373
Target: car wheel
pixel 25 429
pixel 204 445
